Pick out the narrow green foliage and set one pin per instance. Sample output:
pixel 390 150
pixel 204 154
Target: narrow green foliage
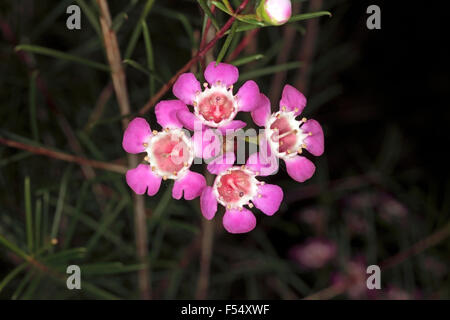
pixel 60 205
pixel 226 44
pixel 149 55
pixel 137 29
pixel 208 12
pixel 28 215
pixel 32 105
pixel 269 70
pixel 244 60
pixel 61 55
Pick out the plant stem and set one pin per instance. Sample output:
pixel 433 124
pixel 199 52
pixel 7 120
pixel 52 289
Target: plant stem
pixel 120 88
pixel 196 58
pixel 64 156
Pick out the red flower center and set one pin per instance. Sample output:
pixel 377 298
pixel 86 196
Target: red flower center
pixel 285 134
pixel 169 153
pixel 234 186
pixel 216 107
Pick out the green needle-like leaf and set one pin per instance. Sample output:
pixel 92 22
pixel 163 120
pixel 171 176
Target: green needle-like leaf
pixel 227 43
pixel 245 60
pixel 149 54
pixel 61 55
pixel 12 275
pixel 137 30
pixel 269 70
pixel 32 105
pixel 29 215
pixel 208 12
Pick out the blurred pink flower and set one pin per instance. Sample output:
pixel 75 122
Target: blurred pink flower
pixel 355 223
pixel 391 209
pixel 314 253
pixel 353 279
pixel 313 216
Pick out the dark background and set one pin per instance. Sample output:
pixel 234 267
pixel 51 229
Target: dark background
pixel 380 95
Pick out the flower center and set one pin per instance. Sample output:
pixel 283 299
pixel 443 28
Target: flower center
pixel 235 187
pixel 170 153
pixel 285 135
pixel 215 105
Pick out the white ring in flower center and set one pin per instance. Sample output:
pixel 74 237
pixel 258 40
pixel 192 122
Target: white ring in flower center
pixel 292 127
pixel 216 90
pixel 181 164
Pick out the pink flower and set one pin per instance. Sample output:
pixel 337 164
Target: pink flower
pixel 215 106
pixel 314 253
pixel 234 188
pixel 170 154
pixel 286 136
pixel 353 279
pixel 275 12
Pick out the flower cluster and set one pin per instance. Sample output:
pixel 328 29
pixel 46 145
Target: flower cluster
pixel 171 152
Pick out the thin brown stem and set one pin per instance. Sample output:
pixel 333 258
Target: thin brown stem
pixel 205 259
pixel 120 88
pixel 153 100
pixel 243 44
pixel 64 156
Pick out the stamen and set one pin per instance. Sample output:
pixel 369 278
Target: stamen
pixel 287 133
pixel 155 132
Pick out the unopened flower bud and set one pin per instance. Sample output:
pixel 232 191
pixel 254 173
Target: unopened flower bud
pixel 276 12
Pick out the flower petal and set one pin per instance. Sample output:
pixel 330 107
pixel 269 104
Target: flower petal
pixel 292 99
pixel 186 87
pixel 314 143
pixel 236 221
pixel 300 168
pixel 223 72
pixel 231 127
pixel 208 203
pixel 262 111
pixel 136 134
pixel 192 184
pixel 264 165
pixel 166 113
pixel 248 96
pixel 271 197
pixel 188 119
pixel 141 178
pixel 222 163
